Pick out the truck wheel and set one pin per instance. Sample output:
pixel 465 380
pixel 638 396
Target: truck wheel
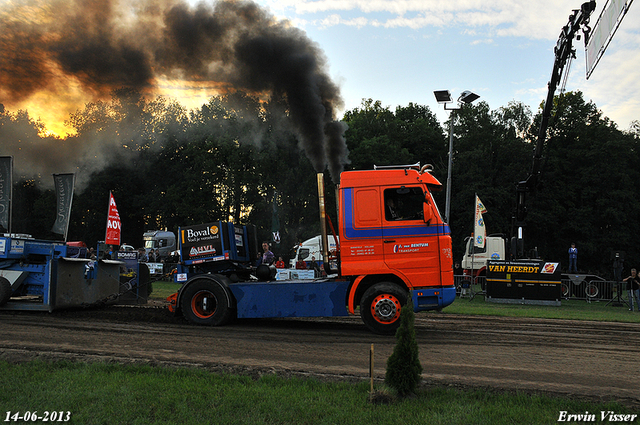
pixel 206 303
pixel 380 307
pixel 5 291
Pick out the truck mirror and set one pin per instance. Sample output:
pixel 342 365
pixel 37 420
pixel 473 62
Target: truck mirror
pixel 428 212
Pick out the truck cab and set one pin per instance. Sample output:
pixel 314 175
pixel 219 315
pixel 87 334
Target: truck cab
pixel 394 243
pixel 392 246
pixel 162 240
pixel 474 261
pixel 312 247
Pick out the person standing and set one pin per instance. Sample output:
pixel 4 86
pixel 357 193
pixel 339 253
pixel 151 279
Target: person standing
pixel 142 256
pixel 313 265
pixel 573 258
pixel 633 286
pixel 267 257
pixel 280 263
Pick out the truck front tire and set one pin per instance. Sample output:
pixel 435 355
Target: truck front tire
pixel 380 307
pixel 205 302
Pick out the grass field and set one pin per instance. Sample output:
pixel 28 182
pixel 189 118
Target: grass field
pixel 101 393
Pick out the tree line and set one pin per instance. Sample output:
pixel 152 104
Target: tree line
pixel 236 158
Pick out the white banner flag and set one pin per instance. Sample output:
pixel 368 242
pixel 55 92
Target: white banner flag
pixel 479 231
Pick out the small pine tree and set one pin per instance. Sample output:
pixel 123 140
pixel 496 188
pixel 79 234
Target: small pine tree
pixel 403 366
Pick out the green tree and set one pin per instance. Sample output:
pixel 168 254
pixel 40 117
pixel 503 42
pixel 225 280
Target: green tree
pixel 589 187
pixel 378 136
pixel 403 366
pixel 490 154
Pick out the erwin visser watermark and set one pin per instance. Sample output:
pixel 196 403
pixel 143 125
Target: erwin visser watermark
pixel 604 416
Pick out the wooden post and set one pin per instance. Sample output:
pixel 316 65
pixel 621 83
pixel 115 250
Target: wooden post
pixel 371 367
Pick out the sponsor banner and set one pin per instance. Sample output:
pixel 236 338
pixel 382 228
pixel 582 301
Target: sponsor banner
pixel 524 280
pixel 17 246
pixel 155 268
pixel 533 269
pixel 114 227
pixel 201 241
pixel 64 184
pixel 6 183
pixel 127 255
pixel 479 231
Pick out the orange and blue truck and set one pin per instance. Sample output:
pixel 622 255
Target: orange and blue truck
pixel 393 247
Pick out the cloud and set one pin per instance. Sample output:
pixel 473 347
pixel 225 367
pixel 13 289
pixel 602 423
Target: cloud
pixel 506 18
pixel 613 86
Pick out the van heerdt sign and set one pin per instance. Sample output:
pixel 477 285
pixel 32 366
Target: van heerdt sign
pixel 526 280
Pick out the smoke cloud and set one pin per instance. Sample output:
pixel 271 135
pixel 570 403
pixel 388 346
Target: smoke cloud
pixel 103 45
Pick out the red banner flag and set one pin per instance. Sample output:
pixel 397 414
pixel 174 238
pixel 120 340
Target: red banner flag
pixel 113 223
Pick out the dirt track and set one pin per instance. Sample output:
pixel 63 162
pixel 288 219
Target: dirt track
pixel 583 359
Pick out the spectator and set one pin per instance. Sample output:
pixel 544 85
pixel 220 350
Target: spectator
pixel 633 286
pixel 301 265
pixel 142 256
pixel 267 257
pixel 314 266
pixel 280 263
pixel 573 258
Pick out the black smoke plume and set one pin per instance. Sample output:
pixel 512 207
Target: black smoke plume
pixel 111 44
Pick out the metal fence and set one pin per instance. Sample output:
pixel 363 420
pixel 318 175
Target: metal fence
pixel 594 290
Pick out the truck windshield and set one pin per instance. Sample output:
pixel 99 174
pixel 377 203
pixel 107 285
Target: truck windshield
pixel 475 249
pixel 151 244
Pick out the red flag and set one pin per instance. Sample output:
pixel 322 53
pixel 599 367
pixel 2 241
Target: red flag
pixel 113 223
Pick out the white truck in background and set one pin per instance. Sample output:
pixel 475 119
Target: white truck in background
pixel 474 261
pixel 311 248
pixel 162 240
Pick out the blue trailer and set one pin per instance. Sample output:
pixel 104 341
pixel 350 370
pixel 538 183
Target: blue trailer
pixel 48 275
pixel 217 264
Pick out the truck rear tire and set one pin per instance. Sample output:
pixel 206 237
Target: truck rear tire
pixel 206 302
pixel 380 307
pixel 5 291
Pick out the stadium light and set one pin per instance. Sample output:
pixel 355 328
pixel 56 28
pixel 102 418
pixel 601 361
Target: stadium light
pixel 444 97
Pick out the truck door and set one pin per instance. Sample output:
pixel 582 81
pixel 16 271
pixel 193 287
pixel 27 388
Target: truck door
pixel 410 236
pixel 361 247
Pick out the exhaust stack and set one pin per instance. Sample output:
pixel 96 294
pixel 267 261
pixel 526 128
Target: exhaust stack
pixel 323 221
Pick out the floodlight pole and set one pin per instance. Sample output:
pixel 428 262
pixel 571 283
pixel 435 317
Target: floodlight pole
pixel 444 97
pixel 448 200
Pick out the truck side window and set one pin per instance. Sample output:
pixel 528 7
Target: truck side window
pixel 403 203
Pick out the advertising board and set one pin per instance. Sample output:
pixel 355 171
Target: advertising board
pixel 527 281
pixel 199 242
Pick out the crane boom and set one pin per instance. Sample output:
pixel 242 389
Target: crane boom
pixel 564 51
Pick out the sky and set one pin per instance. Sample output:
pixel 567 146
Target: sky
pixel 395 52
pixel 400 51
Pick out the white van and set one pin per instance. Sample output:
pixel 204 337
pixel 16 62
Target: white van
pixel 311 248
